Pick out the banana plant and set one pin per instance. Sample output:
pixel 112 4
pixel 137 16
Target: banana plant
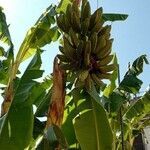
pixel 81 110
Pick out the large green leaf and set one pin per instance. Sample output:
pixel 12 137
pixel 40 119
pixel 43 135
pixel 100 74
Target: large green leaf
pixel 39 35
pixel 92 126
pixel 114 17
pixel 92 129
pixel 139 109
pixel 4 31
pixel 17 127
pixel 69 114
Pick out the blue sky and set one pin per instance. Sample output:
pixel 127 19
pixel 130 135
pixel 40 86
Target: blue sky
pixel 131 37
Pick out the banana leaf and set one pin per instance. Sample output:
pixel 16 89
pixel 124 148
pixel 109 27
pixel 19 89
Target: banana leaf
pixel 17 127
pixel 131 83
pixel 138 110
pixel 39 35
pixel 63 6
pixel 4 31
pixel 114 17
pixel 92 126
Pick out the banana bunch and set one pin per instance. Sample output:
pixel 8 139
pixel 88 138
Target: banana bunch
pixel 86 47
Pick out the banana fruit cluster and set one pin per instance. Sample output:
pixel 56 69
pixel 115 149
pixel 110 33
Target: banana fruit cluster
pixel 86 47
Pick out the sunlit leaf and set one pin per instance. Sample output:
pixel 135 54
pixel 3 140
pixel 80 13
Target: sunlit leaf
pixel 39 35
pixel 17 128
pixel 92 126
pixel 63 6
pixel 131 84
pixel 4 31
pixel 139 109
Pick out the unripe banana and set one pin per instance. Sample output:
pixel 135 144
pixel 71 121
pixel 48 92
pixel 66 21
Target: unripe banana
pixel 80 49
pixel 97 80
pixel 93 40
pixel 83 75
pixel 74 39
pixel 75 22
pixel 85 26
pixel 75 9
pixel 69 12
pixel 98 26
pixel 87 52
pixel 88 83
pixel 101 43
pixel 69 51
pixel 105 31
pixel 104 76
pixel 85 11
pixel 67 24
pixel 105 60
pixel 96 17
pixel 61 23
pixel 106 69
pixel 105 51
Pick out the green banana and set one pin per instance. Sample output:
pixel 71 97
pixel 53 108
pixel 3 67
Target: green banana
pixel 83 75
pixel 101 43
pixel 68 13
pixel 74 38
pixel 80 49
pixel 79 84
pixel 87 52
pixel 85 26
pixel 69 51
pixel 88 82
pixel 75 22
pixel 95 18
pixel 105 51
pixel 97 80
pixel 106 69
pixel 93 40
pixel 105 60
pixel 85 11
pixel 67 24
pixel 61 24
pixel 104 76
pixel 75 9
pixel 105 31
pixel 98 26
